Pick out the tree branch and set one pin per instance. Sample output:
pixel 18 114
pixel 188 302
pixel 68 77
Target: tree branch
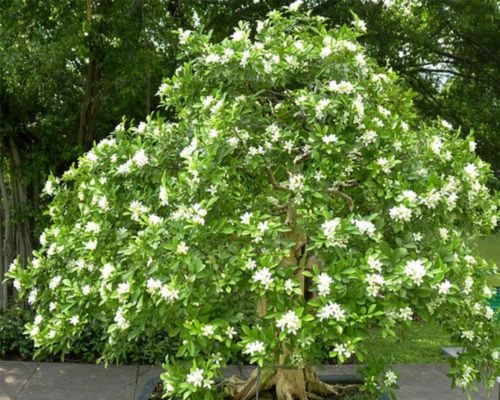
pixel 344 196
pixel 274 182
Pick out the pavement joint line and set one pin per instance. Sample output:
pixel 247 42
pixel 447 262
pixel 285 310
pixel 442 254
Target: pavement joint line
pixel 27 380
pixel 136 381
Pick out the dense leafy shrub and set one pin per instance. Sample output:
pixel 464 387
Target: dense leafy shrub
pixel 295 202
pixel 13 343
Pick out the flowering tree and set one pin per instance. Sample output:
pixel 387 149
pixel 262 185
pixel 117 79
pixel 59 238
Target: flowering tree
pixel 293 204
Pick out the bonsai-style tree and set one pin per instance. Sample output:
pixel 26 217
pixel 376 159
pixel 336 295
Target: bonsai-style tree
pixel 293 205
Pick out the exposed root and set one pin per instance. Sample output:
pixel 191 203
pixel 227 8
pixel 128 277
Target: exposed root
pixel 288 384
pixel 315 385
pixel 312 396
pixel 248 389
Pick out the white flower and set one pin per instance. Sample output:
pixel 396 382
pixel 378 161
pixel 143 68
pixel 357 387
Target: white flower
pixel 255 347
pixel 374 281
pixel 432 199
pixel 52 306
pixel 195 377
pixel 444 287
pixel 341 87
pixel 444 233
pixel 374 263
pixel 343 350
pixel 405 313
pixel 324 282
pixel 368 137
pixel 436 145
pixel 390 378
pixel 52 334
pixel 471 171
pixel 245 55
pixel 153 284
pixel 140 158
pixel 296 182
pixel 125 167
pixel 416 271
pixel 182 248
pixel 360 59
pixel 91 245
pixel 120 320
pixel 231 332
pixel 384 164
pixel 400 213
pixel 238 35
pixel 17 284
pixel 472 145
pixel 329 227
pixel 123 288
pixel 213 58
pixel 322 104
pixel 207 330
pixel 169 294
pixel 250 264
pixel 295 5
pixel 38 319
pixel 55 281
pixel 92 227
pixel 32 296
pixel 331 310
pixel 446 124
pixel 409 195
pixel 245 218
pixel 184 36
pixel 289 286
pixel 264 277
pixel 74 320
pixel 332 138
pixel 34 331
pixel 103 203
pixel 107 270
pixel 263 226
pixel 49 188
pixel 155 219
pixel 468 335
pixel 488 312
pixel 163 196
pixel 469 282
pixel 365 226
pixel 86 290
pixel 289 322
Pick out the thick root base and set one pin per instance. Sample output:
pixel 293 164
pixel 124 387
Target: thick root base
pixel 288 384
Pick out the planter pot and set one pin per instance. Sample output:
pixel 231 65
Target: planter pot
pixel 347 379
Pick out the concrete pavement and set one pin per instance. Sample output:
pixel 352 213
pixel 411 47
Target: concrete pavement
pixel 67 381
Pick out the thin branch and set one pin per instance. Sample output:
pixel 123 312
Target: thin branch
pixel 301 158
pixel 274 182
pixel 341 194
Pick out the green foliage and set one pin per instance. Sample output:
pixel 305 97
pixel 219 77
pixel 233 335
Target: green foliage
pixel 13 342
pixel 287 144
pixel 446 51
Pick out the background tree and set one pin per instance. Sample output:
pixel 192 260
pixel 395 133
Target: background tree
pixel 294 175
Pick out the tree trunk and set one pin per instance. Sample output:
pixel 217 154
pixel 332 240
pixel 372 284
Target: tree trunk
pixel 5 242
pixel 89 104
pixel 22 225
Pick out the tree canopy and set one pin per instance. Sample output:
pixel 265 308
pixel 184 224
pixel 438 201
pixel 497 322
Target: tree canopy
pixel 294 175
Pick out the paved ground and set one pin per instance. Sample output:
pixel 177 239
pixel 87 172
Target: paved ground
pixel 46 381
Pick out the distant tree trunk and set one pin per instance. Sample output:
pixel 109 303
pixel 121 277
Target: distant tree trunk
pixel 89 104
pixel 5 243
pixel 22 225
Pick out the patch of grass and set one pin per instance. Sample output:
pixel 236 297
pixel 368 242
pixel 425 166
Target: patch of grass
pixel 421 343
pixel 489 248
